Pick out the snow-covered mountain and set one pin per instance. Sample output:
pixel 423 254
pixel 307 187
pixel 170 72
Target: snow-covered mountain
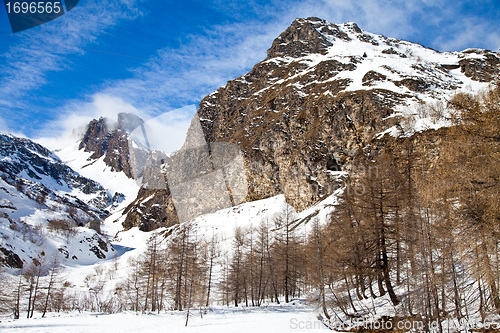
pixel 281 139
pixel 298 119
pixel 41 175
pixel 305 112
pixel 109 140
pixel 105 153
pixel 44 205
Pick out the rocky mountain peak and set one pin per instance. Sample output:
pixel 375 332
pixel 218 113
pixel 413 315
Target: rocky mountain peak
pixel 315 36
pixel 110 139
pixel 306 36
pixel 94 137
pixel 323 94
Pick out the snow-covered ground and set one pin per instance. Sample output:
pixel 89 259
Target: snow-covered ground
pixel 131 243
pixel 272 318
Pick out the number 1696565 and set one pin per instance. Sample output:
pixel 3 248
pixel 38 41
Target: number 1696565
pixel 33 7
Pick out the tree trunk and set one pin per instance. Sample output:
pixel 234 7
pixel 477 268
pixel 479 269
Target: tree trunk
pixel 18 300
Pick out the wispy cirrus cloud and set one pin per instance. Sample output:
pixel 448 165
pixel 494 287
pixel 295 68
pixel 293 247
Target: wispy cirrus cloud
pixel 3 125
pixel 44 49
pixel 5 128
pixel 69 127
pixel 470 33
pixel 166 131
pixel 178 77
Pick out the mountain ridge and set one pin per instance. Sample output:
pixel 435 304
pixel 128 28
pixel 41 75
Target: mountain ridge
pixel 323 92
pixel 47 207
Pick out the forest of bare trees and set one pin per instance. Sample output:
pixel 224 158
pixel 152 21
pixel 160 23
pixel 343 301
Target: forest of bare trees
pixel 423 219
pixel 420 225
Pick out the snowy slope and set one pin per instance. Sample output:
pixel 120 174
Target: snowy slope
pixel 27 243
pixel 44 205
pixel 39 171
pixel 115 182
pixel 222 224
pixel 395 59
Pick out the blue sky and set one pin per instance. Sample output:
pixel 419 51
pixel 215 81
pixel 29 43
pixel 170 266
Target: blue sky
pixel 150 57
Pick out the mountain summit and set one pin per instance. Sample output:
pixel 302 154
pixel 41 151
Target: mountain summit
pixel 105 138
pixel 302 115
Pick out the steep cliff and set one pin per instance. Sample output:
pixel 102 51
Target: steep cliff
pixel 304 113
pixel 111 140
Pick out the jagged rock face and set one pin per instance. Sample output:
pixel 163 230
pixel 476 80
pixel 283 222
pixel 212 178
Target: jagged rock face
pixel 319 97
pixel 113 143
pixel 296 121
pixel 481 69
pixel 303 38
pixel 94 139
pixel 297 141
pixel 26 162
pixel 151 210
pixel 153 207
pixel 10 259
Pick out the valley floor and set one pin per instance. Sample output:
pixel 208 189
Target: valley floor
pixel 273 318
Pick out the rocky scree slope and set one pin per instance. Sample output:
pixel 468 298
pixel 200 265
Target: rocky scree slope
pixel 321 95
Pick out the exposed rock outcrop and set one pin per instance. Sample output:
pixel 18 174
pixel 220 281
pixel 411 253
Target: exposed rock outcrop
pixel 307 110
pixel 482 69
pixel 33 167
pixel 104 138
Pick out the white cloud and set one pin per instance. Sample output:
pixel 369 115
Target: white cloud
pixel 71 125
pixel 470 34
pixel 5 128
pixel 166 132
pixel 389 17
